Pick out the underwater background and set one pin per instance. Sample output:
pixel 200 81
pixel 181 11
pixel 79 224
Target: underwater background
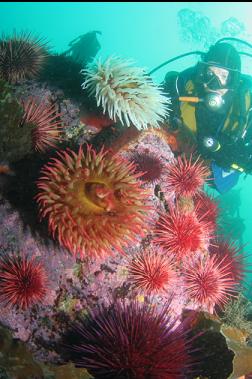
pixel 149 34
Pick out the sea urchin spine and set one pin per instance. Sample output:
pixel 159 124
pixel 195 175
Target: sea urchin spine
pixel 21 57
pixel 186 177
pixel 130 341
pixel 151 271
pixel 180 233
pixel 22 281
pixel 209 282
pixel 232 255
pixel 46 124
pixel 150 164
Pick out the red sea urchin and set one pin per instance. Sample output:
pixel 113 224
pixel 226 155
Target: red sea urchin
pixel 209 282
pixel 206 210
pixel 22 281
pixel 46 124
pixel 186 177
pixel 94 201
pixel 180 233
pixel 232 255
pixel 21 57
pixel 130 342
pixel 151 271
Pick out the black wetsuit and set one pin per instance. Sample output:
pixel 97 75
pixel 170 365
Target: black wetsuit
pixel 235 148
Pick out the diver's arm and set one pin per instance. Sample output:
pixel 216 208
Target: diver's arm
pixel 169 84
pixel 234 154
pixel 247 142
pixel 244 143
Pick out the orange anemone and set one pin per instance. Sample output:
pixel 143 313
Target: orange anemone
pixel 94 201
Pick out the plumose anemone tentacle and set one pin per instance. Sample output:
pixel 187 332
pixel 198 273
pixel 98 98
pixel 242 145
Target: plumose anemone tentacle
pixel 126 93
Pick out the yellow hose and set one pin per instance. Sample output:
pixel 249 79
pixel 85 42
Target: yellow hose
pixel 191 99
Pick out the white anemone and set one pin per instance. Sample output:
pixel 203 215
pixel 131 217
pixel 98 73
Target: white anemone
pixel 126 93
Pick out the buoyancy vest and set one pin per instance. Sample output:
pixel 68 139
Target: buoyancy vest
pixel 237 117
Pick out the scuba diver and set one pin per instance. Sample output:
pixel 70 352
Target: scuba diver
pixel 211 107
pixel 84 47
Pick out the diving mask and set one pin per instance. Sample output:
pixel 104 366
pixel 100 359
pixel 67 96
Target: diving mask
pixel 217 78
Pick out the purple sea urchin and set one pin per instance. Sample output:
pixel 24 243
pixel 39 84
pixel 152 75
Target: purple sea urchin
pixel 21 57
pixel 130 341
pixel 150 165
